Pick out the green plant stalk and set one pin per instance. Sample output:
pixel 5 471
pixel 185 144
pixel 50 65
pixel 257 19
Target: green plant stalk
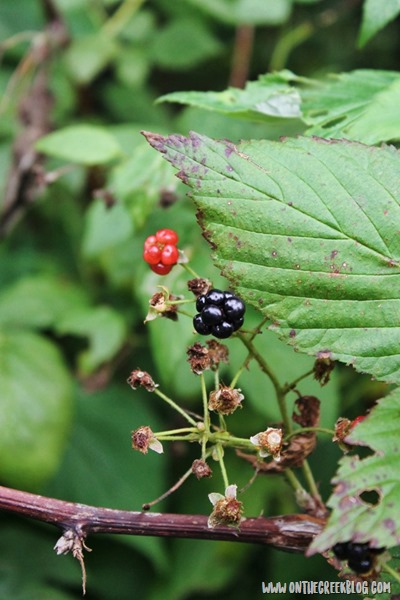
pixel 190 270
pixel 306 429
pixel 178 431
pixel 265 368
pixel 289 386
pixel 122 15
pixel 206 414
pixel 390 571
pixel 175 407
pixel 287 43
pixel 222 465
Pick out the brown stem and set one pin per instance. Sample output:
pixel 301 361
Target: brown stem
pixel 292 533
pixel 242 52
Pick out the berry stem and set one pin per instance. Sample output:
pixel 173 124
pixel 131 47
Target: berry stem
pixel 305 429
pixel 176 302
pixel 309 477
pixel 220 454
pixel 171 490
pixel 265 368
pixel 177 431
pixel 206 414
pixel 175 406
pixel 289 386
pixel 190 270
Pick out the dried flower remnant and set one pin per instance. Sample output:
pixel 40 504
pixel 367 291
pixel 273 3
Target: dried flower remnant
pixel 225 400
pixel 143 439
pixel 142 379
pixel 323 368
pixel 269 442
pixel 227 509
pixel 199 358
pixel 219 353
pixel 159 306
pixel 199 286
pixel 201 469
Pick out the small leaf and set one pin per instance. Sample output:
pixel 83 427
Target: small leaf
pixel 104 327
pixel 356 516
pixel 38 301
pixel 86 57
pixel 35 408
pixel 306 231
pixel 84 144
pixel 250 12
pixel 376 15
pixel 183 44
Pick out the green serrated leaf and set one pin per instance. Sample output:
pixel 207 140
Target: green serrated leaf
pixel 35 408
pixel 84 144
pixel 269 98
pixel 376 15
pixel 306 231
pixel 356 518
pixel 361 105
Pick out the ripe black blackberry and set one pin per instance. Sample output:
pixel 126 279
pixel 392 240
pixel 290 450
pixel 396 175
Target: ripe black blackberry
pixel 219 313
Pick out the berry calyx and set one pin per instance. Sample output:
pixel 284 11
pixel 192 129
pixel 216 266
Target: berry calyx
pixel 219 313
pixel 160 251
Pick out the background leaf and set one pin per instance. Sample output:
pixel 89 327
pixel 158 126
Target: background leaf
pixel 36 408
pixel 252 12
pixel 84 144
pixel 352 517
pixel 306 239
pixel 376 15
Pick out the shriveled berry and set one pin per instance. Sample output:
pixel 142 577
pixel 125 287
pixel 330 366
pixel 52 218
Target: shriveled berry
pixel 234 308
pixel 222 330
pixel 169 255
pixel 362 566
pixel 201 302
pixel 200 326
pixel 212 315
pixel 215 297
pixel 161 269
pixel 152 255
pixel 167 236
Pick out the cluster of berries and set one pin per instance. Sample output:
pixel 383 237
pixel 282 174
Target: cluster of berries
pixel 219 314
pixel 360 557
pixel 160 251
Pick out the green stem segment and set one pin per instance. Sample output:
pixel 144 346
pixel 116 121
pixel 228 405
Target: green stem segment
pixel 175 407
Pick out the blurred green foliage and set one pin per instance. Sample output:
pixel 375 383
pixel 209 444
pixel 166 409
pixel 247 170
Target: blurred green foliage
pixel 74 291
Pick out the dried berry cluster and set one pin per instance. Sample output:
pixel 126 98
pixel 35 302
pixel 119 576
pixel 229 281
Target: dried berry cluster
pixel 360 557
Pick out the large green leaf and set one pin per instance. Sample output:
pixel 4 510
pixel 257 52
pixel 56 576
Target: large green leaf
pixel 376 14
pixel 361 105
pixel 35 408
pixel 353 516
pixel 269 98
pixel 306 230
